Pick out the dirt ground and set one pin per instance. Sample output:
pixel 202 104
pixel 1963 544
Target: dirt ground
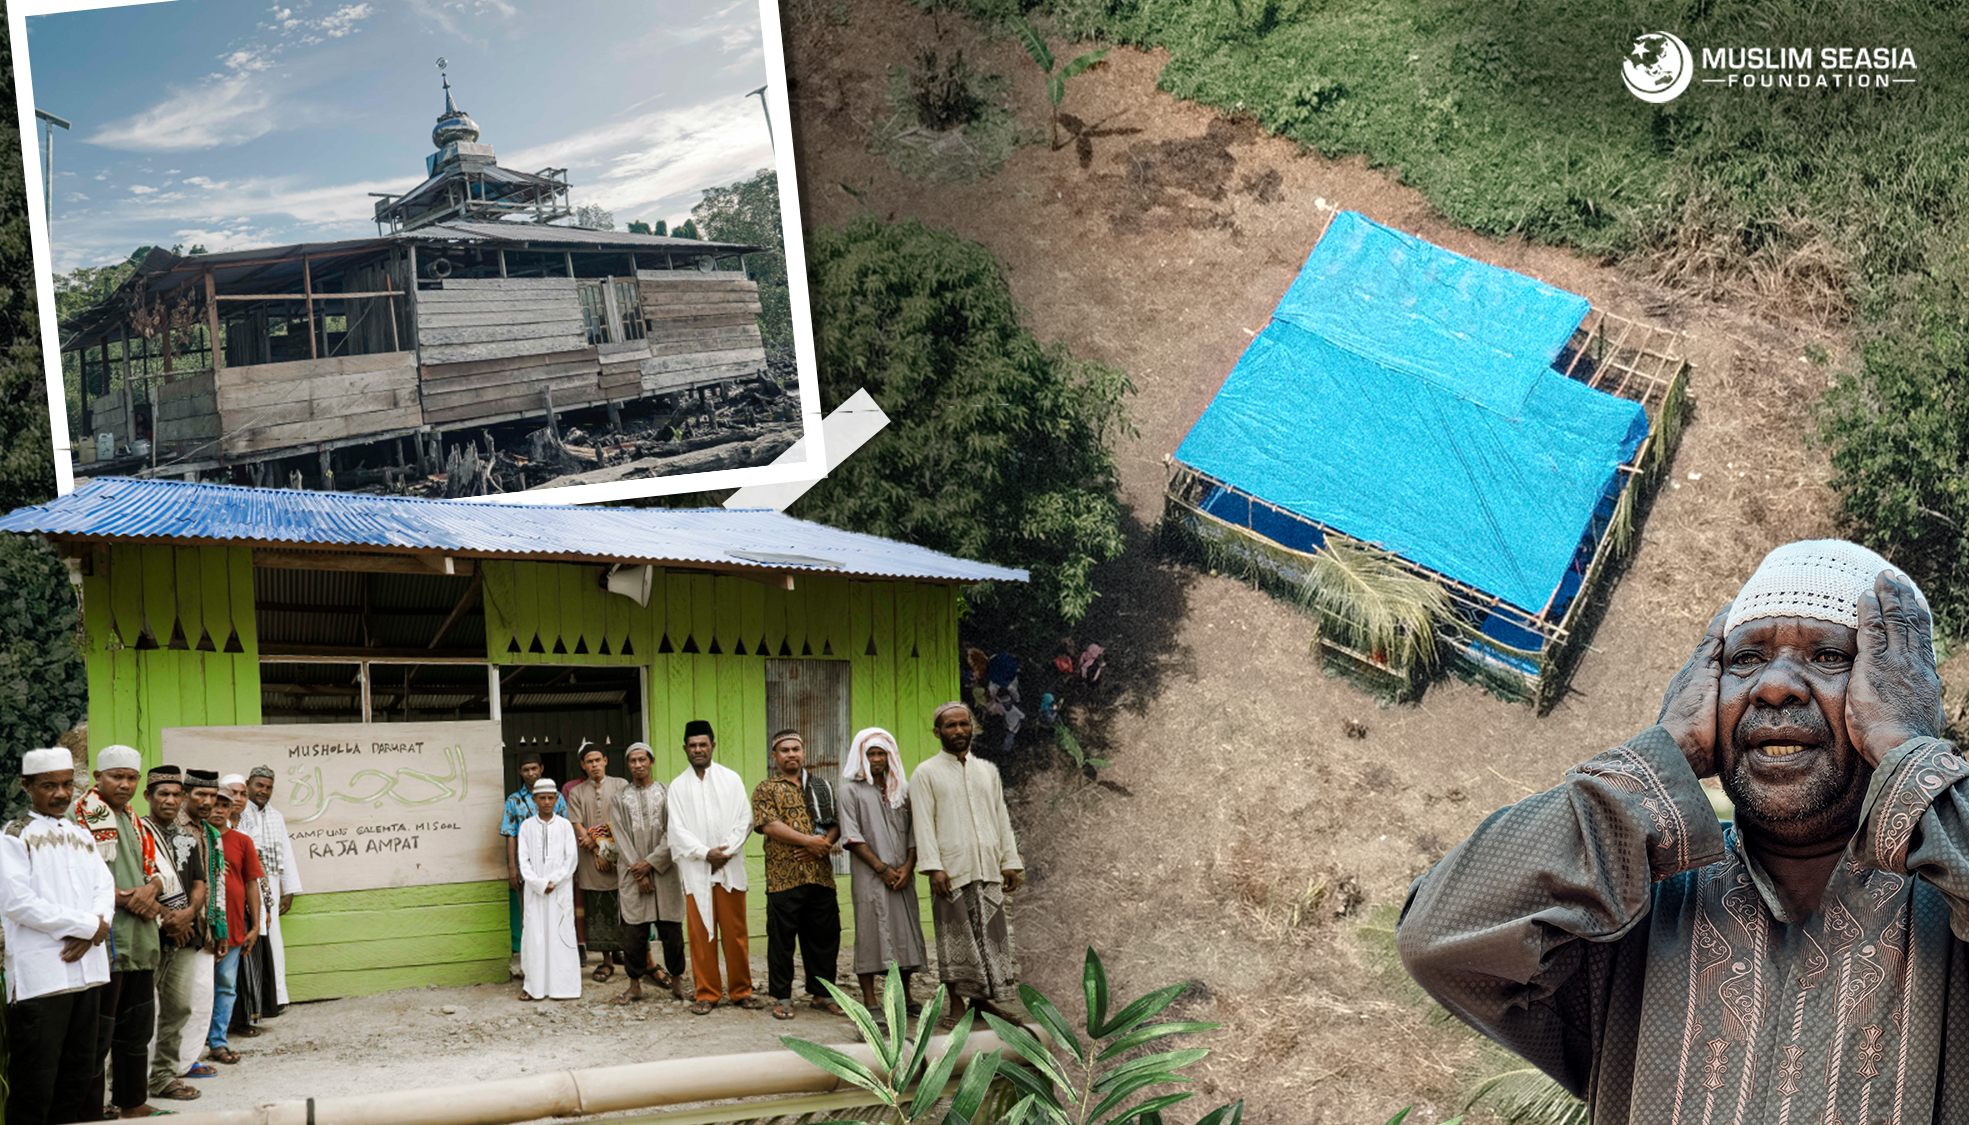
pixel 1159 241
pixel 456 1036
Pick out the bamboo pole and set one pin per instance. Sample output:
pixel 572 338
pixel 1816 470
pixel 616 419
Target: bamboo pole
pixel 573 1093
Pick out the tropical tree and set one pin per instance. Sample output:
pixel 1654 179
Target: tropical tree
pixel 747 213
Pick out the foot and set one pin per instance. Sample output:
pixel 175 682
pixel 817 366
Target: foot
pixel 783 1010
pixel 634 995
pixel 177 1091
pixel 144 1110
pixel 823 1004
pixel 603 972
pixel 703 1007
pixel 524 998
pixel 199 1071
pixel 754 1002
pixel 224 1055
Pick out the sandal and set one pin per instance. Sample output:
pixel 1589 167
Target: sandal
pixel 200 1070
pixel 823 1004
pixel 224 1055
pixel 177 1092
pixel 754 1003
pixel 627 999
pixel 703 1007
pixel 524 998
pixel 247 1032
pixel 604 973
pixel 782 1011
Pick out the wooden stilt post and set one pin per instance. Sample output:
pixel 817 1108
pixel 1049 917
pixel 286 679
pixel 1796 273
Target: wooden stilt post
pixel 307 295
pixel 327 469
pixel 569 256
pixel 553 423
pixel 502 264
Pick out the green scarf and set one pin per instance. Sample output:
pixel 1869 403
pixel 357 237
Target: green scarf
pixel 215 885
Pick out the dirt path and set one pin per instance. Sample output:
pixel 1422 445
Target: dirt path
pixel 1160 243
pixel 456 1036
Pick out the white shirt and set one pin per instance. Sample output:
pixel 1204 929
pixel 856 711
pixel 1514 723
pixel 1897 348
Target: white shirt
pixel 54 885
pixel 962 826
pixel 714 811
pixel 268 830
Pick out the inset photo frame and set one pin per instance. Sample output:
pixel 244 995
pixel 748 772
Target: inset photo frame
pixel 498 250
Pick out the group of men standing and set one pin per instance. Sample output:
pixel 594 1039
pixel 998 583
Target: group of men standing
pixel 143 939
pixel 645 856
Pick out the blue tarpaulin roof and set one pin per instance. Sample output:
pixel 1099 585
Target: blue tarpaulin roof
pixel 1405 396
pixel 112 508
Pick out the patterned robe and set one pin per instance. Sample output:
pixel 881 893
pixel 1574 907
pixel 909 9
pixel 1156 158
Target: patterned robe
pixel 1615 935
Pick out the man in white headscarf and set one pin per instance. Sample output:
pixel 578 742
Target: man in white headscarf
pixel 58 899
pixel 267 828
pixel 876 830
pixel 1802 963
pixel 710 817
pixel 550 961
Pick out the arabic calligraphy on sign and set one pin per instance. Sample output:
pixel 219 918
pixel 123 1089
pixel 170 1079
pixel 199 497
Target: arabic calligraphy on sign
pixel 411 788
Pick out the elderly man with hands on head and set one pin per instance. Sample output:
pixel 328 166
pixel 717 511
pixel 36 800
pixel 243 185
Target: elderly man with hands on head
pixel 1800 964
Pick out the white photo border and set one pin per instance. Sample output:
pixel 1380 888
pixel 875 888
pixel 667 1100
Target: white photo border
pixel 813 468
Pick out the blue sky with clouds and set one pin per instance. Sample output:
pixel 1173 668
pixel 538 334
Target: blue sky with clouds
pixel 240 123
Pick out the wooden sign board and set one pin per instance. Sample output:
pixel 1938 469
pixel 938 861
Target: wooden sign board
pixel 371 805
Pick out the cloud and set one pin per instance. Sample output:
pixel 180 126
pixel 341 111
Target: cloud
pixel 140 189
pixel 342 21
pixel 225 108
pixel 664 156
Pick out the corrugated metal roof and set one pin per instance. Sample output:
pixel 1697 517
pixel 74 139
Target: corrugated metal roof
pixel 561 236
pixel 111 508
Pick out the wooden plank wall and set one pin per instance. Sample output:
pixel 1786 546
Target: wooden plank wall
pixel 735 625
pixel 278 405
pixel 703 328
pixel 490 347
pixel 351 944
pixel 187 417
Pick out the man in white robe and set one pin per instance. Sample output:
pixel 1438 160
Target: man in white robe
pixel 268 830
pixel 57 897
pixel 710 818
pixel 550 961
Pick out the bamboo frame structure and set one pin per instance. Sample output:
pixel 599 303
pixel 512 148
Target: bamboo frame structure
pixel 1620 356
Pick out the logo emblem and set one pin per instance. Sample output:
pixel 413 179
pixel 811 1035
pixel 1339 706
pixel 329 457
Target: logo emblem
pixel 1658 67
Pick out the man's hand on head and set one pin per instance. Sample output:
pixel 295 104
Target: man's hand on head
pixel 1688 707
pixel 1894 693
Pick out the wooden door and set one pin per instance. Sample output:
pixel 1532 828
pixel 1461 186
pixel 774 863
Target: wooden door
pixel 811 696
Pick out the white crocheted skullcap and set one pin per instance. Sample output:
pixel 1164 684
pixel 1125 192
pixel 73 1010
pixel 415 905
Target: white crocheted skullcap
pixel 545 785
pixel 118 758
pixel 46 761
pixel 1823 579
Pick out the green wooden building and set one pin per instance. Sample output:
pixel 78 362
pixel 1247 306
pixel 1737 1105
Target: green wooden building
pixel 208 605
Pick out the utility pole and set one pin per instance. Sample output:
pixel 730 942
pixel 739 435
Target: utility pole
pixel 48 123
pixel 761 94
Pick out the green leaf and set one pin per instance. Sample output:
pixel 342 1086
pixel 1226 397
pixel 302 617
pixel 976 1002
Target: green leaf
pixel 895 1005
pixel 1080 65
pixel 1018 1114
pixel 1153 1105
pixel 1134 1014
pixel 1168 1060
pixel 1035 44
pixel 840 1066
pixel 978 1074
pixel 866 1023
pixel 1398 1118
pixel 1151 1033
pixel 1233 1114
pixel 1094 982
pixel 1035 1052
pixel 1023 1078
pixel 926 1026
pixel 1056 89
pixel 1099 763
pixel 1049 1017
pixel 939 1072
pixel 1127 1087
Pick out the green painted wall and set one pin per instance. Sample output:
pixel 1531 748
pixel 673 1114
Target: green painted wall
pixel 899 637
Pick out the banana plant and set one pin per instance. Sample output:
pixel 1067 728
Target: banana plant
pixel 1072 1082
pixel 1056 84
pixel 904 1059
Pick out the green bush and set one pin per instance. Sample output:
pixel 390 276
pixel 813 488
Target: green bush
pixel 998 448
pixel 43 689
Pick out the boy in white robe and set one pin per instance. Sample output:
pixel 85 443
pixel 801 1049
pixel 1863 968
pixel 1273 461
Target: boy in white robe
pixel 549 958
pixel 57 896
